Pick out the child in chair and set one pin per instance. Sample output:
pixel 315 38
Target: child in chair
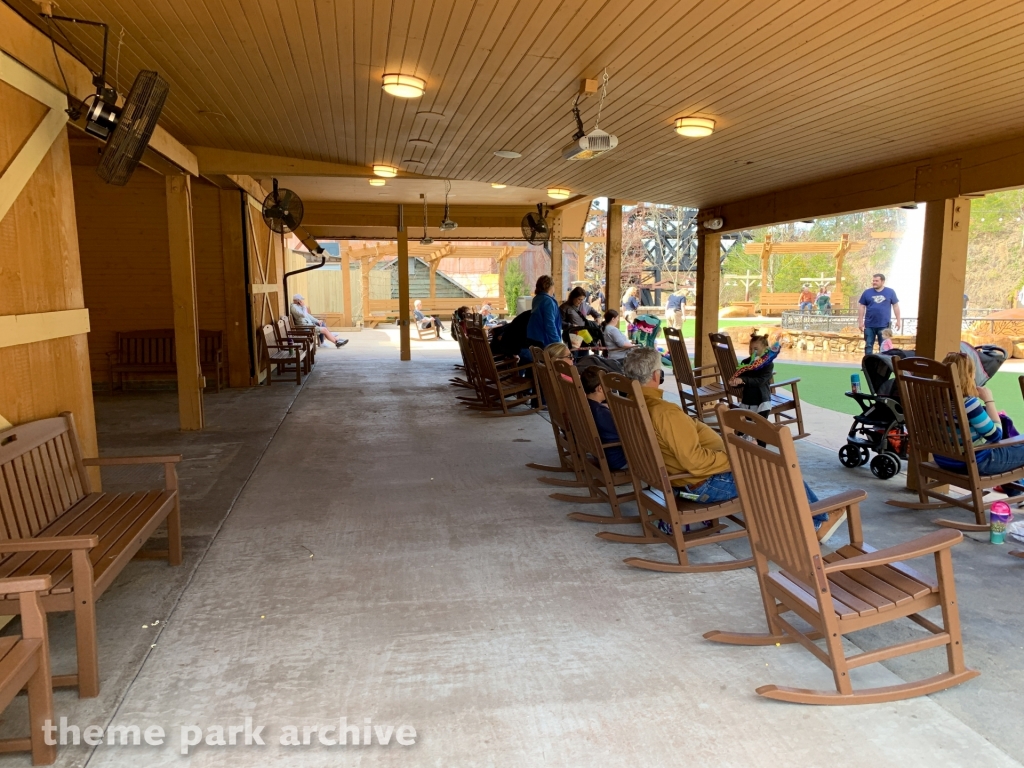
pixel 755 374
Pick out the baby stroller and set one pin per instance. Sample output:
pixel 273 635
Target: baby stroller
pixel 880 427
pixel 644 330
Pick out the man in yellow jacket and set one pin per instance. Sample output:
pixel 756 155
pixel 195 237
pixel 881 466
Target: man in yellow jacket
pixel 691 446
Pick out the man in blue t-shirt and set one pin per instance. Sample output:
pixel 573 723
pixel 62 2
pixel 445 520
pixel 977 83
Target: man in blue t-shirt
pixel 877 304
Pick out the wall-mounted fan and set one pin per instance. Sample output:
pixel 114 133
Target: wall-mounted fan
pixel 283 210
pixel 535 226
pixel 126 129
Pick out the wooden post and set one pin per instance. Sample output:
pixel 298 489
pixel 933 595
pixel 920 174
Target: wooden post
pixel 766 255
pixel 613 256
pixel 943 272
pixel 556 255
pixel 403 286
pixel 236 321
pixel 365 263
pixel 840 256
pixel 183 295
pixel 709 278
pixel 581 261
pixel 433 278
pixel 347 318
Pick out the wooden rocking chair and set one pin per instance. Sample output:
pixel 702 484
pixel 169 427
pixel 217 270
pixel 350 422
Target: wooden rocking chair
pixel 654 496
pixel 568 456
pixel 782 402
pixel 845 591
pixel 698 387
pixel 934 407
pixel 600 478
pixel 500 388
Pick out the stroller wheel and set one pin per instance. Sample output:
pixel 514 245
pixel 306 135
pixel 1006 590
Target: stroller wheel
pixel 885 465
pixel 865 454
pixel 851 456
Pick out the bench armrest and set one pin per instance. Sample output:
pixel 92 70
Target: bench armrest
pixel 25 584
pixel 113 461
pixel 924 545
pixel 49 543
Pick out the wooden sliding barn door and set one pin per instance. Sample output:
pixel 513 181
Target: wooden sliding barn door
pixel 265 254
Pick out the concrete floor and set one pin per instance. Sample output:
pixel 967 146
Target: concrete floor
pixel 391 558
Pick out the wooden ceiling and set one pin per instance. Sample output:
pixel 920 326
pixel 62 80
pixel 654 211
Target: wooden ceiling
pixel 801 89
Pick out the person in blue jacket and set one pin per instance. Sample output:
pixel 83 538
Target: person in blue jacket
pixel 545 325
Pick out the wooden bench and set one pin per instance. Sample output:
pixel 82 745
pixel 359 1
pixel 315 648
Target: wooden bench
pixel 285 356
pixel 776 303
pixel 384 310
pixel 25 664
pixel 55 525
pixel 152 351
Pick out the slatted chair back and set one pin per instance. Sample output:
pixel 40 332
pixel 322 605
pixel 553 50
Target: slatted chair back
pixel 483 360
pixel 639 440
pixel 584 429
pixel 549 389
pixel 150 347
pixel 725 358
pixel 771 491
pixel 681 366
pixel 933 406
pixel 41 475
pixel 281 332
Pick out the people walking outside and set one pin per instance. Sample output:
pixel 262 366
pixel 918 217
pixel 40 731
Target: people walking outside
pixel 806 300
pixel 675 308
pixel 877 306
pixel 630 304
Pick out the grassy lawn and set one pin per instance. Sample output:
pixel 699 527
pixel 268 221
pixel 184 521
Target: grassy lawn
pixel 824 386
pixel 690 325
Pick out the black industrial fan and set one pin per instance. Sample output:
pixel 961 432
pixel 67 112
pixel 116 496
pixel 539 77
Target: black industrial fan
pixel 282 210
pixel 535 226
pixel 126 129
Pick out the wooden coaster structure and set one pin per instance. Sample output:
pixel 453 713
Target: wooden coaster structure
pixel 853 588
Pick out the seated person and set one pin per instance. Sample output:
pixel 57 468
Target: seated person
pixel 560 351
pixel 986 427
pixel 591 380
pixel 692 447
pixel 299 311
pixel 755 374
pixel 614 339
pixel 425 321
pixel 575 319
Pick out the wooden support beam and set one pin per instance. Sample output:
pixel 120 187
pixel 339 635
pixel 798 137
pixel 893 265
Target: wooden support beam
pixel 183 296
pixel 556 255
pixel 403 286
pixel 943 272
pixel 236 320
pixel 766 260
pixel 213 161
pixel 613 256
pixel 347 317
pixel 709 278
pixel 42 326
pixel 845 246
pixel 433 278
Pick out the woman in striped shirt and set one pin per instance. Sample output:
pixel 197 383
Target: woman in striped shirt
pixel 985 427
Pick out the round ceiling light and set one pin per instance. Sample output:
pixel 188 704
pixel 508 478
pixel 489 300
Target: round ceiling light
pixel 557 193
pixel 694 127
pixel 508 154
pixel 377 182
pixel 387 171
pixel 499 186
pixel 404 86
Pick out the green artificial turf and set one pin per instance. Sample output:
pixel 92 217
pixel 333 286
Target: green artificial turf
pixel 825 385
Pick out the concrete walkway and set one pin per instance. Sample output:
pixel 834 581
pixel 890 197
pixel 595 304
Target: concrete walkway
pixel 391 558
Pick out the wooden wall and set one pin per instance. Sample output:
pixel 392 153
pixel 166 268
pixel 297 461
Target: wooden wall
pixel 40 272
pixel 125 259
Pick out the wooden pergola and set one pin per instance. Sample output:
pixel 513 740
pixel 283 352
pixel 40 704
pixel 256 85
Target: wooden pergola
pixel 839 251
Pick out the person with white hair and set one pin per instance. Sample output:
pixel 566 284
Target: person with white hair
pixel 299 311
pixel 690 446
pixel 424 320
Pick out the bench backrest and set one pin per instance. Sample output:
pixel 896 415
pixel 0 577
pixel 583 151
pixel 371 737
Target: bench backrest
pixel 436 306
pixel 41 475
pixel 157 346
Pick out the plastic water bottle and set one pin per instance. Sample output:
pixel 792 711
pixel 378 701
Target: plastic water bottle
pixel 855 382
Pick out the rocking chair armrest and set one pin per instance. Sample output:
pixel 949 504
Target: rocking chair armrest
pixel 681 476
pixel 786 383
pixel 1001 444
pixel 711 367
pixel 15 584
pixel 919 547
pixel 839 501
pixel 611 445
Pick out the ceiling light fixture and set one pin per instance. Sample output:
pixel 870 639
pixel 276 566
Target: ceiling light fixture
pixel 404 86
pixel 558 193
pixel 694 127
pixel 499 186
pixel 508 154
pixel 377 182
pixel 387 171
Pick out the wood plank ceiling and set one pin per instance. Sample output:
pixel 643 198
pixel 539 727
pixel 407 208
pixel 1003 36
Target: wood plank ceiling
pixel 800 89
